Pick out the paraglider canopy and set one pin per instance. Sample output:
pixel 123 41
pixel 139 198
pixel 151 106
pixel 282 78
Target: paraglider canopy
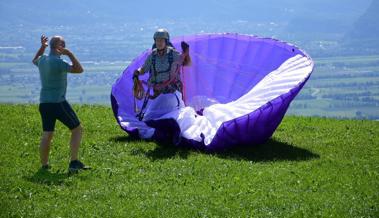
pixel 242 84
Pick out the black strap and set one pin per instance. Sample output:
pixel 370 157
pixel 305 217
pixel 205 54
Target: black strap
pixel 141 114
pixel 154 61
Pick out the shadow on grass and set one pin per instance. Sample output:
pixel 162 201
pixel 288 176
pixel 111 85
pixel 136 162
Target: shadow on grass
pixel 166 151
pixel 126 138
pixel 46 177
pixel 163 150
pixel 272 150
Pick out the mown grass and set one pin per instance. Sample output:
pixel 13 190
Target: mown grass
pixel 312 167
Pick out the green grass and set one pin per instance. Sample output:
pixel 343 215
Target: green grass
pixel 312 167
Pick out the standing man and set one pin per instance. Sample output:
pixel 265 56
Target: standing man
pixel 53 105
pixel 164 64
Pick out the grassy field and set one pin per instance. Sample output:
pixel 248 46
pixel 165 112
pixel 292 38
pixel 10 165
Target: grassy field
pixel 312 167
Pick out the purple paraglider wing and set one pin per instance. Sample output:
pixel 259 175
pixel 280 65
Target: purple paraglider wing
pixel 242 84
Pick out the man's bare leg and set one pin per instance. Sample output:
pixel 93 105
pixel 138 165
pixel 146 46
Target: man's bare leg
pixel 76 137
pixel 44 147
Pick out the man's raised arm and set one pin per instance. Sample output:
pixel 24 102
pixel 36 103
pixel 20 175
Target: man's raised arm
pixel 41 50
pixel 76 66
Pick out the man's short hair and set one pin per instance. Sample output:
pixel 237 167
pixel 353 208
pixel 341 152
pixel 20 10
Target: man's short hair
pixel 54 41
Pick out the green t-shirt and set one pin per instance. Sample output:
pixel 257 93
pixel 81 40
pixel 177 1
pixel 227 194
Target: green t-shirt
pixel 53 74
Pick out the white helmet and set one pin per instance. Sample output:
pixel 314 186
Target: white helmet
pixel 162 33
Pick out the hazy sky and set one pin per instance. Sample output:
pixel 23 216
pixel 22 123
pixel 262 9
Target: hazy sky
pixel 77 11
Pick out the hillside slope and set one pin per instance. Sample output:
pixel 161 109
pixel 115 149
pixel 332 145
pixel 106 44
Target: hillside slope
pixel 311 167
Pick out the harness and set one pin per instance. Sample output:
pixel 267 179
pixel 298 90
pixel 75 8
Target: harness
pixel 153 80
pixel 154 61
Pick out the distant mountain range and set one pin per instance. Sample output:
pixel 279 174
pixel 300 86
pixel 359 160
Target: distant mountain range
pixel 363 36
pixel 354 19
pixel 88 11
pixel 367 26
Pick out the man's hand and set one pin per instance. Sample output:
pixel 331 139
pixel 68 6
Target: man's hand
pixel 135 74
pixel 185 47
pixel 41 50
pixel 185 54
pixel 44 41
pixel 76 66
pixel 63 51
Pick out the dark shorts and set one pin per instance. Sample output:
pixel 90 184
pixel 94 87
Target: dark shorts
pixel 62 111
